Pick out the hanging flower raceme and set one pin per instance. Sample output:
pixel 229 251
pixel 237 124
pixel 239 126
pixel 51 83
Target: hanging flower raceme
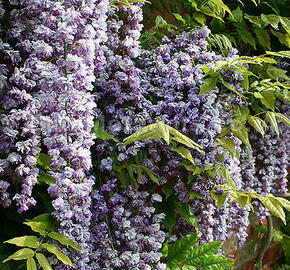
pixel 126 231
pixel 19 129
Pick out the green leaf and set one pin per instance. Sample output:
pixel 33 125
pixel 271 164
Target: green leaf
pixel 46 178
pixel 284 202
pixel 263 37
pixel 179 17
pixel 200 18
pixel 258 124
pixel 277 73
pixel 191 168
pixel 242 133
pixel 179 137
pixel 167 190
pixel 268 99
pixel 44 219
pixel 208 85
pixel 101 133
pixel 283 119
pixel 284 38
pixel 37 227
pixel 153 131
pixel 152 175
pixel 188 267
pixel 43 160
pixel 247 37
pixel 20 254
pixel 24 241
pixel 271 19
pixel 185 211
pixel 168 208
pixel 193 4
pixel 31 264
pixel 179 251
pixel 228 144
pixel 273 205
pixel 164 249
pixel 43 261
pixel 223 171
pixel 216 262
pixel 279 54
pixel 172 266
pixel 222 5
pixel 285 23
pixel 271 117
pixel 61 256
pixel 237 15
pixel 185 153
pixel 254 20
pixel 198 254
pixel 242 199
pixel 219 199
pixel 64 240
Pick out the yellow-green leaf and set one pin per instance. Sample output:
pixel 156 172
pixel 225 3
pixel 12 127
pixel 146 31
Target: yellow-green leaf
pixel 148 132
pixel 208 85
pixel 21 254
pixel 188 267
pixel 219 199
pixel 222 5
pixel 200 18
pixel 283 37
pixel 228 144
pixel 242 133
pixel 185 153
pixel 273 205
pixel 164 131
pixel 61 256
pixel 37 227
pixel 280 54
pixel 258 124
pixel 31 264
pixel 64 240
pixel 285 23
pixel 179 137
pixel 254 20
pixel 284 202
pixel 268 99
pixel 43 261
pixel 271 117
pixel 243 199
pixel 24 241
pixel 283 119
pixel 271 19
pixel 179 17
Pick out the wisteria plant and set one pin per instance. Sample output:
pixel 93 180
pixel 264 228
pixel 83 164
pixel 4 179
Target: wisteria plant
pixel 134 157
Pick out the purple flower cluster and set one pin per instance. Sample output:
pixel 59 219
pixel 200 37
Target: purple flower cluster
pixel 265 168
pixel 126 232
pixel 47 79
pixel 19 129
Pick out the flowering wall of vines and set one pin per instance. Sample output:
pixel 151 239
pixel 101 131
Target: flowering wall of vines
pixel 76 83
